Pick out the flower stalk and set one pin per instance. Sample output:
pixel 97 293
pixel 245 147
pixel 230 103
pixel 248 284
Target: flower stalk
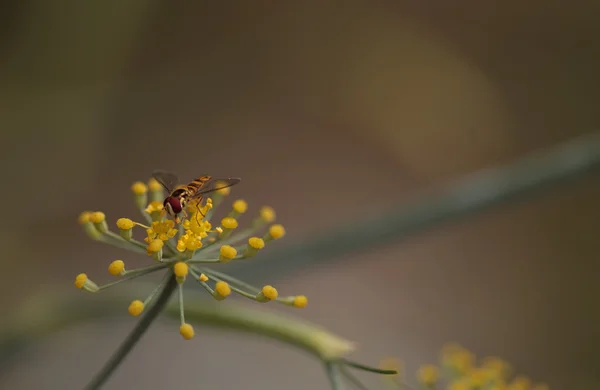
pixel 134 336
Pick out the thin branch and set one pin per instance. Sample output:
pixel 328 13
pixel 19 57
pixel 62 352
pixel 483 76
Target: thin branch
pixel 133 337
pixel 476 192
pixel 374 370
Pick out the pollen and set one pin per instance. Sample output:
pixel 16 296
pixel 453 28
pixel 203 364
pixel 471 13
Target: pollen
pixel 162 230
pixel 229 223
pixel 300 301
pixel 428 374
pixel 270 292
pixel 223 289
pixel 154 185
pixel 188 242
pixel 256 243
pixel 187 331
pixel 155 246
pixel 180 269
pixel 125 224
pixel 202 278
pixel 139 188
pixel 97 217
pixel 80 280
pixel 240 206
pixel 267 214
pixel 136 308
pixel 276 231
pixel 154 207
pixel 116 267
pixel 199 227
pixel 227 253
pixel 85 217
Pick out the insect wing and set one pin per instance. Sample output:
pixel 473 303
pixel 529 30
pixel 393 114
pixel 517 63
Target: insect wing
pixel 167 179
pixel 215 184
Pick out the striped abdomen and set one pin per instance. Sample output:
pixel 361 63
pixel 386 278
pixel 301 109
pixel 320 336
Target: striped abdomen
pixel 195 185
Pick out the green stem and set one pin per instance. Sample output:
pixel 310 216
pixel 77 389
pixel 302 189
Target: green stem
pixel 233 288
pixel 133 337
pixel 118 241
pixel 476 192
pixel 374 370
pixel 334 375
pixel 219 275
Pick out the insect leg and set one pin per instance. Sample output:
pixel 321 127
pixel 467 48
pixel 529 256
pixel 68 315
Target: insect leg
pixel 199 211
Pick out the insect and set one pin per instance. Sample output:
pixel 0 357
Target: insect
pixel 180 194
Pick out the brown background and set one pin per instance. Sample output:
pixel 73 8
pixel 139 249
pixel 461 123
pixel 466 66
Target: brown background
pixel 301 99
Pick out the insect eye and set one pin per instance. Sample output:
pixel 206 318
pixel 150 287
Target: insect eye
pixel 175 204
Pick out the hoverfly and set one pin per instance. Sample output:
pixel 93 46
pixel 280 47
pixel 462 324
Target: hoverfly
pixel 180 194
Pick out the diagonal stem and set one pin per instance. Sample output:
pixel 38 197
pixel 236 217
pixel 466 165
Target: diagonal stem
pixel 474 193
pixel 136 334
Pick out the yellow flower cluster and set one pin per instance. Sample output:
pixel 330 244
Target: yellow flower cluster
pixel 462 372
pixel 187 248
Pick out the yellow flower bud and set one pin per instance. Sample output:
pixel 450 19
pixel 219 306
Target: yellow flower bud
pixel 222 290
pixel 276 231
pixel 256 243
pixel 99 220
pixel 85 217
pixel 154 249
pixel 240 206
pixel 187 331
pixel 80 280
pixel 155 246
pixel 136 308
pixel 181 271
pixel 267 294
pixel 97 217
pixel 267 214
pixel 139 188
pixel 300 301
pixel 125 224
pixel 229 223
pixel 116 268
pixel 154 185
pixel 227 253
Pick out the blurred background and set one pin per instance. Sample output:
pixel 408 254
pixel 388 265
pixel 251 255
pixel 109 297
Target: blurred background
pixel 330 112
